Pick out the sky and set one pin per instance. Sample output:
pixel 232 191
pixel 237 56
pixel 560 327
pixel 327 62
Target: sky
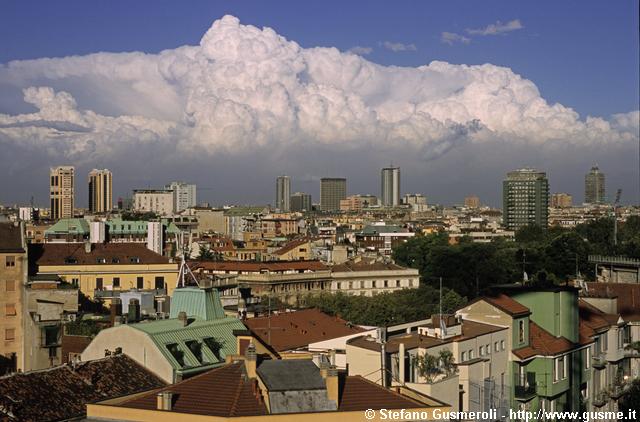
pixel 455 93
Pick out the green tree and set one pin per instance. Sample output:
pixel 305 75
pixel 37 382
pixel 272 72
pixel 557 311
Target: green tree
pixel 631 398
pixel 428 366
pixel 530 233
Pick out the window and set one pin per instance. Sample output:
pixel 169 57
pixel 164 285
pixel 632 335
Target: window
pixel 10 309
pixel 116 281
pixel 11 285
pixel 134 260
pixel 99 283
pixel 464 357
pixel 373 284
pixel 521 331
pixel 101 260
pixel 159 282
pixel 51 335
pixel 10 261
pixel 560 368
pixel 496 348
pixel 140 282
pixel 587 357
pixel 471 355
pixel 501 344
pixel 605 345
pixel 10 334
pixel 488 348
pixel 481 352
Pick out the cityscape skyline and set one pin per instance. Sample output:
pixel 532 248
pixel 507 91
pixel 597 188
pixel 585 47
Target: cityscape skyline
pixel 468 123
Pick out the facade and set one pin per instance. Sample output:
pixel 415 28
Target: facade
pixel 184 195
pixel 366 278
pixel 13 277
pixel 417 201
pixel 525 199
pixel 100 191
pixel 390 186
pixel 381 239
pixel 472 201
pixel 300 202
pixel 153 200
pixel 61 191
pixel 283 194
pixel 351 203
pixel 332 190
pixel 594 186
pixel 561 200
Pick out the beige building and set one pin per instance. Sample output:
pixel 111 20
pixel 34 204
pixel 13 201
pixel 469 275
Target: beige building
pixel 332 190
pixel 352 203
pixel 472 201
pixel 367 278
pixel 61 192
pixel 209 220
pixel 100 191
pixel 561 200
pixel 153 200
pixel 13 276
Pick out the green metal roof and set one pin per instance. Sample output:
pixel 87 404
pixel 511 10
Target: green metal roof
pixel 381 229
pixel 69 226
pixel 244 210
pixel 119 226
pixel 214 340
pixel 203 304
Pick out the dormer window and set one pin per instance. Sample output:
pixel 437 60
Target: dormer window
pixel 101 260
pixel 134 260
pixel 115 260
pixel 70 260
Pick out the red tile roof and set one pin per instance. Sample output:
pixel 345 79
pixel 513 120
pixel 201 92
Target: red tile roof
pixel 291 246
pixel 542 342
pixel 224 391
pixel 294 330
pixel 507 304
pixel 365 265
pixel 357 393
pixel 62 392
pixel 256 267
pixel 59 253
pixel 627 296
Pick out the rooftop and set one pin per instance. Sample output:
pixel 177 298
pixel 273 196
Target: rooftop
pixel 289 375
pixel 203 304
pixel 105 254
pixel 506 304
pixel 256 267
pixel 62 392
pixel 294 330
pixel 69 226
pixel 627 296
pixel 366 265
pixel 542 342
pixel 11 238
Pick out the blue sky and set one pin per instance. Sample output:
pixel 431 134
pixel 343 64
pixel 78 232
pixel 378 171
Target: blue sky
pixel 583 54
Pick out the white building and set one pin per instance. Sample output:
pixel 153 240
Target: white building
pixel 184 195
pixel 153 200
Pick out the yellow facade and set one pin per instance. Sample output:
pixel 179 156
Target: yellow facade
pixel 13 272
pixel 115 276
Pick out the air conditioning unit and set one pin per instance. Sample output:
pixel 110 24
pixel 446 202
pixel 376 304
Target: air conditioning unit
pixel 70 317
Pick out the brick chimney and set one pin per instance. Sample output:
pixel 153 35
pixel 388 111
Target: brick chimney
pixel 182 317
pixel 251 361
pixel 332 384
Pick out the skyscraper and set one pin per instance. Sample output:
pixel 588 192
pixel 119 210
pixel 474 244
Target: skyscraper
pixel 300 202
pixel 61 191
pixel 332 190
pixel 100 191
pixel 184 195
pixel 525 198
pixel 594 186
pixel 283 194
pixel 390 186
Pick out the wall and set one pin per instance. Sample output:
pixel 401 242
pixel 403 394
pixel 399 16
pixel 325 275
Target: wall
pixel 12 280
pixel 364 362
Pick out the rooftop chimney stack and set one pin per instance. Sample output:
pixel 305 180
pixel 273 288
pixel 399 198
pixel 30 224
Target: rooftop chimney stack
pixel 251 361
pixel 182 317
pixel 164 400
pixel 332 384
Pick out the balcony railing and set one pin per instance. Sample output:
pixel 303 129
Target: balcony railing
pixel 616 391
pixel 600 399
pixel 525 386
pixel 599 361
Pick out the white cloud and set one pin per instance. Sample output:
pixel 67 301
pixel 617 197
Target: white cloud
pixel 361 51
pixel 452 37
pixel 497 28
pixel 244 88
pixel 398 46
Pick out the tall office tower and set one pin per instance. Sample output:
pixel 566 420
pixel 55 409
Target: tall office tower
pixel 184 195
pixel 390 186
pixel 332 190
pixel 525 199
pixel 300 202
pixel 472 201
pixel 561 200
pixel 100 191
pixel 283 194
pixel 594 186
pixel 61 188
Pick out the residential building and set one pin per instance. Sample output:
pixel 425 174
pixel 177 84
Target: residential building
pixel 561 200
pixel 196 337
pixel 153 200
pixel 472 201
pixel 45 395
pixel 283 194
pixel 100 191
pixel 280 225
pixel 367 277
pixel 209 220
pixel 390 186
pixel 352 203
pixel 241 220
pixel 594 186
pixel 300 202
pixel 61 191
pixel 296 250
pixel 417 201
pixel 100 269
pixel 525 199
pixel 13 277
pixel 382 238
pixel 184 195
pixel 332 190
pixel 68 230
pixel 287 390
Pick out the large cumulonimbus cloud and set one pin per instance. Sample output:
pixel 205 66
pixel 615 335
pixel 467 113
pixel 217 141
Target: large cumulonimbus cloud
pixel 245 87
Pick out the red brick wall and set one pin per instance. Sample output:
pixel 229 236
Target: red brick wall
pixel 73 344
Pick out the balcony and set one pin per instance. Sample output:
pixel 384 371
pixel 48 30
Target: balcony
pixel 600 399
pixel 616 391
pixel 599 361
pixel 525 386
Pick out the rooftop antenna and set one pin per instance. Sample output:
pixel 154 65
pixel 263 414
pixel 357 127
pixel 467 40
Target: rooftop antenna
pixel 184 267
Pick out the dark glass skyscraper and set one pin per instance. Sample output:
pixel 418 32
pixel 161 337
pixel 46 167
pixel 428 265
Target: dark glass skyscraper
pixel 594 192
pixel 525 199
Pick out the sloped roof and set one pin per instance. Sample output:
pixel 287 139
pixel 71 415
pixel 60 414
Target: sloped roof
pixel 291 246
pixel 224 391
pixel 506 304
pixel 365 265
pixel 294 330
pixel 290 375
pixel 59 253
pixel 255 266
pixel 542 342
pixel 358 393
pixel 62 392
pixel 627 296
pixel 70 226
pixel 203 304
pixel 11 238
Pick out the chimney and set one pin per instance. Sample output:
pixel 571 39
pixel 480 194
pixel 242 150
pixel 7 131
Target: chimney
pixel 164 400
pixel 182 317
pixel 251 361
pixel 332 384
pixel 332 356
pixel 401 356
pixel 324 368
pixel 115 309
pixel 134 311
pixel 87 247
